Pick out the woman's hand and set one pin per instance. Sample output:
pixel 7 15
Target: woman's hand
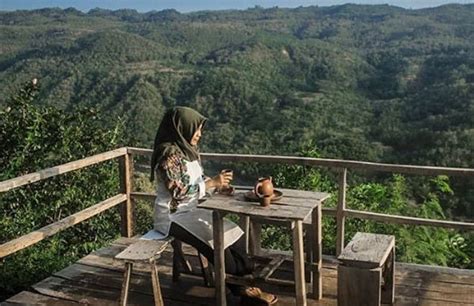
pixel 223 179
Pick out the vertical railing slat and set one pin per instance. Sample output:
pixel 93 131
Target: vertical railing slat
pixel 341 207
pixel 126 209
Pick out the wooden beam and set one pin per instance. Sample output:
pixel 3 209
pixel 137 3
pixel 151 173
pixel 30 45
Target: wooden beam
pixel 350 213
pixel 64 168
pixel 24 241
pixel 325 162
pixel 341 207
pixel 219 264
pixel 127 208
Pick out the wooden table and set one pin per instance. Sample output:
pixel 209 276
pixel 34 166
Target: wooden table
pixel 295 207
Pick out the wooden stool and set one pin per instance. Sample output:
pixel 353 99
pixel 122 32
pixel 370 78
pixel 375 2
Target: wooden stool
pixel 367 273
pixel 142 251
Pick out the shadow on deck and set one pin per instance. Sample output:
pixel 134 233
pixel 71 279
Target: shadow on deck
pixel 97 279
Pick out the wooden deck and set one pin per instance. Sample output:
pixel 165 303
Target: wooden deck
pixel 97 278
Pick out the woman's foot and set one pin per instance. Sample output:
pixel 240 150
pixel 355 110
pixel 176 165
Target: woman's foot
pixel 254 296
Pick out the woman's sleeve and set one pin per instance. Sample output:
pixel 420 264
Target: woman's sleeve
pixel 173 171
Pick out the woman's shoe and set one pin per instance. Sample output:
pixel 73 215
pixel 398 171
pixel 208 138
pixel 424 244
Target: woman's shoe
pixel 253 296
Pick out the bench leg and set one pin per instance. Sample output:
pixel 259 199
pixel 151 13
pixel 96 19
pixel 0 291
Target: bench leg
pixel 126 283
pixel 358 287
pixel 388 287
pixel 156 285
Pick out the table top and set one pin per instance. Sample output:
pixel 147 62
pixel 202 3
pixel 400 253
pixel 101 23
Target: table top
pixel 294 205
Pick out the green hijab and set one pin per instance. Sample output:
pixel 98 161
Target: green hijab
pixel 174 135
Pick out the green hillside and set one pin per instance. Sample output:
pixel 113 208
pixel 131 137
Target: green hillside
pixel 376 83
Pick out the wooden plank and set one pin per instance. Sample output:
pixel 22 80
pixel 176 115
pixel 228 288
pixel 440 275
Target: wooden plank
pixel 337 163
pixel 298 258
pixel 126 284
pixel 100 294
pixel 143 250
pixel 267 271
pixel 156 285
pixel 127 208
pixel 317 252
pixel 351 213
pixel 31 298
pixel 219 264
pixel 255 241
pixel 24 241
pixel 358 287
pixel 64 168
pixel 341 207
pixel 188 291
pixel 367 250
pixel 408 220
pixel 325 162
pixel 230 205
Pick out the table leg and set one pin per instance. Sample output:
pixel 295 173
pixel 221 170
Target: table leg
pixel 219 264
pixel 298 259
pixel 255 238
pixel 317 253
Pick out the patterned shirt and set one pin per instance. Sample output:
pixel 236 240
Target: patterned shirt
pixel 174 173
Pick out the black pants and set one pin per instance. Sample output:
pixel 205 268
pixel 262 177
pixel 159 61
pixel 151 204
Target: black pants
pixel 236 261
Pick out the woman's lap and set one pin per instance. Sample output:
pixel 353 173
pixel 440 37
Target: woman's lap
pixel 236 262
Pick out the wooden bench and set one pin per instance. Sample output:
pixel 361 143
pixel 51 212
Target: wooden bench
pixel 142 251
pixel 366 273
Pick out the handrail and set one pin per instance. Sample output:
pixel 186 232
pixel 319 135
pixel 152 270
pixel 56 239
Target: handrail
pixel 341 212
pixel 36 236
pixel 324 162
pixel 64 168
pixel 125 155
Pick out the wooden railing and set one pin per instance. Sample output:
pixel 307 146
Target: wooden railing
pixel 341 212
pixel 125 196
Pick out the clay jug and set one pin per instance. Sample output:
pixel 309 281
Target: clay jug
pixel 264 190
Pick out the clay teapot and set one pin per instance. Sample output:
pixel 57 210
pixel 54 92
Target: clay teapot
pixel 264 190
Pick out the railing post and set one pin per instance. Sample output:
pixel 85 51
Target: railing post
pixel 126 208
pixel 340 213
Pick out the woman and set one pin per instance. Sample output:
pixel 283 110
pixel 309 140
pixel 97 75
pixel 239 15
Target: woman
pixel 181 183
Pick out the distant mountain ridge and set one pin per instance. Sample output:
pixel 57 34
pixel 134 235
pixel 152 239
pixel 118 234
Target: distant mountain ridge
pixel 357 81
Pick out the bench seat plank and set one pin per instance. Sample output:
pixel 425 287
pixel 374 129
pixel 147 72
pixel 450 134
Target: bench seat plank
pixel 143 250
pixel 367 250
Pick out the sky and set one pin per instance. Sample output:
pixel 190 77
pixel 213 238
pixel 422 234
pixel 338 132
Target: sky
pixel 199 5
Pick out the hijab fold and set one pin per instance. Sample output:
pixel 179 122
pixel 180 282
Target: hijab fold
pixel 174 135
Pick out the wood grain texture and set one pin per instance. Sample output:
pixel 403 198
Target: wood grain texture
pixel 143 250
pixel 24 241
pixel 367 250
pixel 285 209
pixel 341 207
pixel 99 279
pixel 219 264
pixel 324 162
pixel 358 287
pixel 127 208
pixel 298 260
pixel 64 168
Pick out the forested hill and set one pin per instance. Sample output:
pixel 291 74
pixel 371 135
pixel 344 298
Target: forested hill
pixel 377 83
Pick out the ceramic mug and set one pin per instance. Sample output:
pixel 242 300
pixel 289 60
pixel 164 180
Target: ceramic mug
pixel 264 190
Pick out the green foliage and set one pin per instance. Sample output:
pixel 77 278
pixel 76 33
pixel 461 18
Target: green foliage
pixel 37 137
pixel 374 83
